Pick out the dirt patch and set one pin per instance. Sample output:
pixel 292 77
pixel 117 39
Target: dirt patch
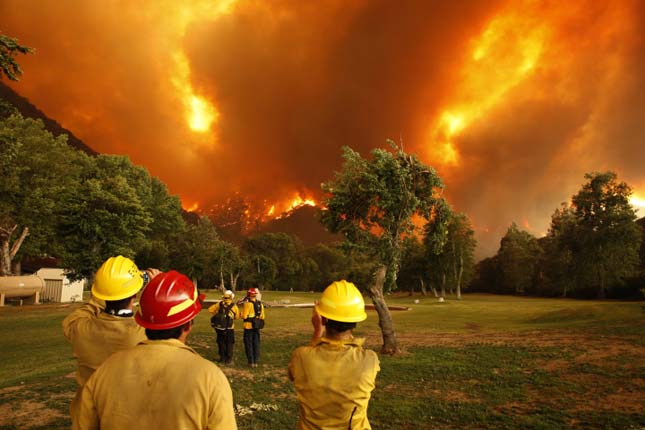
pixel 26 414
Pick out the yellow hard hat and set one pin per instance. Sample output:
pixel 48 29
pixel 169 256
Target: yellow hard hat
pixel 118 278
pixel 341 301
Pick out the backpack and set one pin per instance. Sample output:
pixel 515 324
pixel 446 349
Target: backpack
pixel 256 321
pixel 221 320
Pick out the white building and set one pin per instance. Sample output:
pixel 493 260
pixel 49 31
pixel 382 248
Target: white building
pixel 58 288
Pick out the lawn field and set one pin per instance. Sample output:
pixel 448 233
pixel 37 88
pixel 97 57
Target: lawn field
pixel 485 362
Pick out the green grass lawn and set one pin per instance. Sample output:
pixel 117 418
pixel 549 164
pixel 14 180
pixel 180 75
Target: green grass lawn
pixel 485 362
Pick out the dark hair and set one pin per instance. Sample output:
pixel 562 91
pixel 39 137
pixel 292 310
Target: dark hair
pixel 169 333
pixel 113 306
pixel 339 326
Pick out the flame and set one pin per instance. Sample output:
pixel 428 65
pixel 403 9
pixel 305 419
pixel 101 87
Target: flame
pixel 637 201
pixel 200 113
pixel 271 210
pixel 298 201
pixel 192 208
pixel 502 57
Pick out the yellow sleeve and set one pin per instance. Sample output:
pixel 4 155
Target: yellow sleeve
pixel 221 415
pixel 88 418
pixel 213 309
pixel 236 312
pixel 261 310
pixel 245 309
pixel 84 314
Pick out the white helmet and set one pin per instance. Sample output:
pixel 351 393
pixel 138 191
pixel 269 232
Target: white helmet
pixel 228 294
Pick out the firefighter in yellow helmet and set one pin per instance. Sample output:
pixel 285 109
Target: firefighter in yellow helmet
pixel 225 312
pixel 161 383
pixel 334 376
pixel 105 324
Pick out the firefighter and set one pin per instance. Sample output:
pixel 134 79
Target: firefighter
pixel 225 313
pixel 105 324
pixel 253 316
pixel 160 383
pixel 334 376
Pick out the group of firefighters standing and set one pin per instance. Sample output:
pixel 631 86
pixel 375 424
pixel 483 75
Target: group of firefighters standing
pixel 226 312
pixel 136 371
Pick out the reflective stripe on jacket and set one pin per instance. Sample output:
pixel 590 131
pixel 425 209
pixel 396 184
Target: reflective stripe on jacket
pixel 159 384
pixel 334 381
pixel 248 311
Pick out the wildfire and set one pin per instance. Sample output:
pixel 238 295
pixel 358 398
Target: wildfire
pixel 192 208
pixel 502 57
pixel 200 112
pixel 637 201
pixel 290 205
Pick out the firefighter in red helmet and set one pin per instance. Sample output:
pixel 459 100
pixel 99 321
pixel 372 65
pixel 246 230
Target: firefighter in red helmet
pixel 160 383
pixel 253 316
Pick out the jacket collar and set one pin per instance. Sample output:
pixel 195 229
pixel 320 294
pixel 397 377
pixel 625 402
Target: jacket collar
pixel 176 343
pixel 334 342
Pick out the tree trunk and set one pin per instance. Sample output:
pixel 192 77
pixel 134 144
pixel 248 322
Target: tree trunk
pixel 390 344
pixel 459 276
pixel 7 253
pixel 234 281
pixel 443 285
pixel 434 291
pixel 423 287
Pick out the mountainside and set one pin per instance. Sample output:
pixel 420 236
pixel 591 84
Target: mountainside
pixel 28 110
pixel 302 222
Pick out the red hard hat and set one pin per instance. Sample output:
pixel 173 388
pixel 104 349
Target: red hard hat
pixel 168 301
pixel 252 292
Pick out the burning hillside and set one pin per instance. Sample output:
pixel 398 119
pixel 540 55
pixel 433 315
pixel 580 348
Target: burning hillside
pixel 512 102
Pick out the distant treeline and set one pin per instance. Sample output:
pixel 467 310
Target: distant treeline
pixel 595 248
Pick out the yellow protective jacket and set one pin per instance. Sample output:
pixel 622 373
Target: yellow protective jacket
pixel 334 381
pixel 95 336
pixel 248 311
pixel 159 384
pixel 233 313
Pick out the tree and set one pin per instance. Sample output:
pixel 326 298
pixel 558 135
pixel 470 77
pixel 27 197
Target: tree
pixel 607 239
pixel 36 171
pixel 450 245
pixel 372 203
pixel 557 274
pixel 284 251
pixel 518 256
pixel 9 48
pixel 103 217
pixel 414 265
pixel 197 251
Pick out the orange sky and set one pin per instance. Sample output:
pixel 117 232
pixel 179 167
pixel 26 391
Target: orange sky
pixel 512 102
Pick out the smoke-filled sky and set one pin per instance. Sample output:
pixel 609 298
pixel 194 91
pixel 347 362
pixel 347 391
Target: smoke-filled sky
pixel 511 101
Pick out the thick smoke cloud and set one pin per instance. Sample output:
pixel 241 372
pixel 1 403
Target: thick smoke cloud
pixel 294 81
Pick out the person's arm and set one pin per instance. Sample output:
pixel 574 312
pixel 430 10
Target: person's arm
pixel 88 418
pixel 85 313
pixel 214 308
pixel 221 414
pixel 316 321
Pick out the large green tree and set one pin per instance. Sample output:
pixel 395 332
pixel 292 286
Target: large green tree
pixel 606 240
pixel 36 171
pixel 276 251
pixel 197 250
pixel 372 204
pixel 104 216
pixel 518 256
pixel 450 250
